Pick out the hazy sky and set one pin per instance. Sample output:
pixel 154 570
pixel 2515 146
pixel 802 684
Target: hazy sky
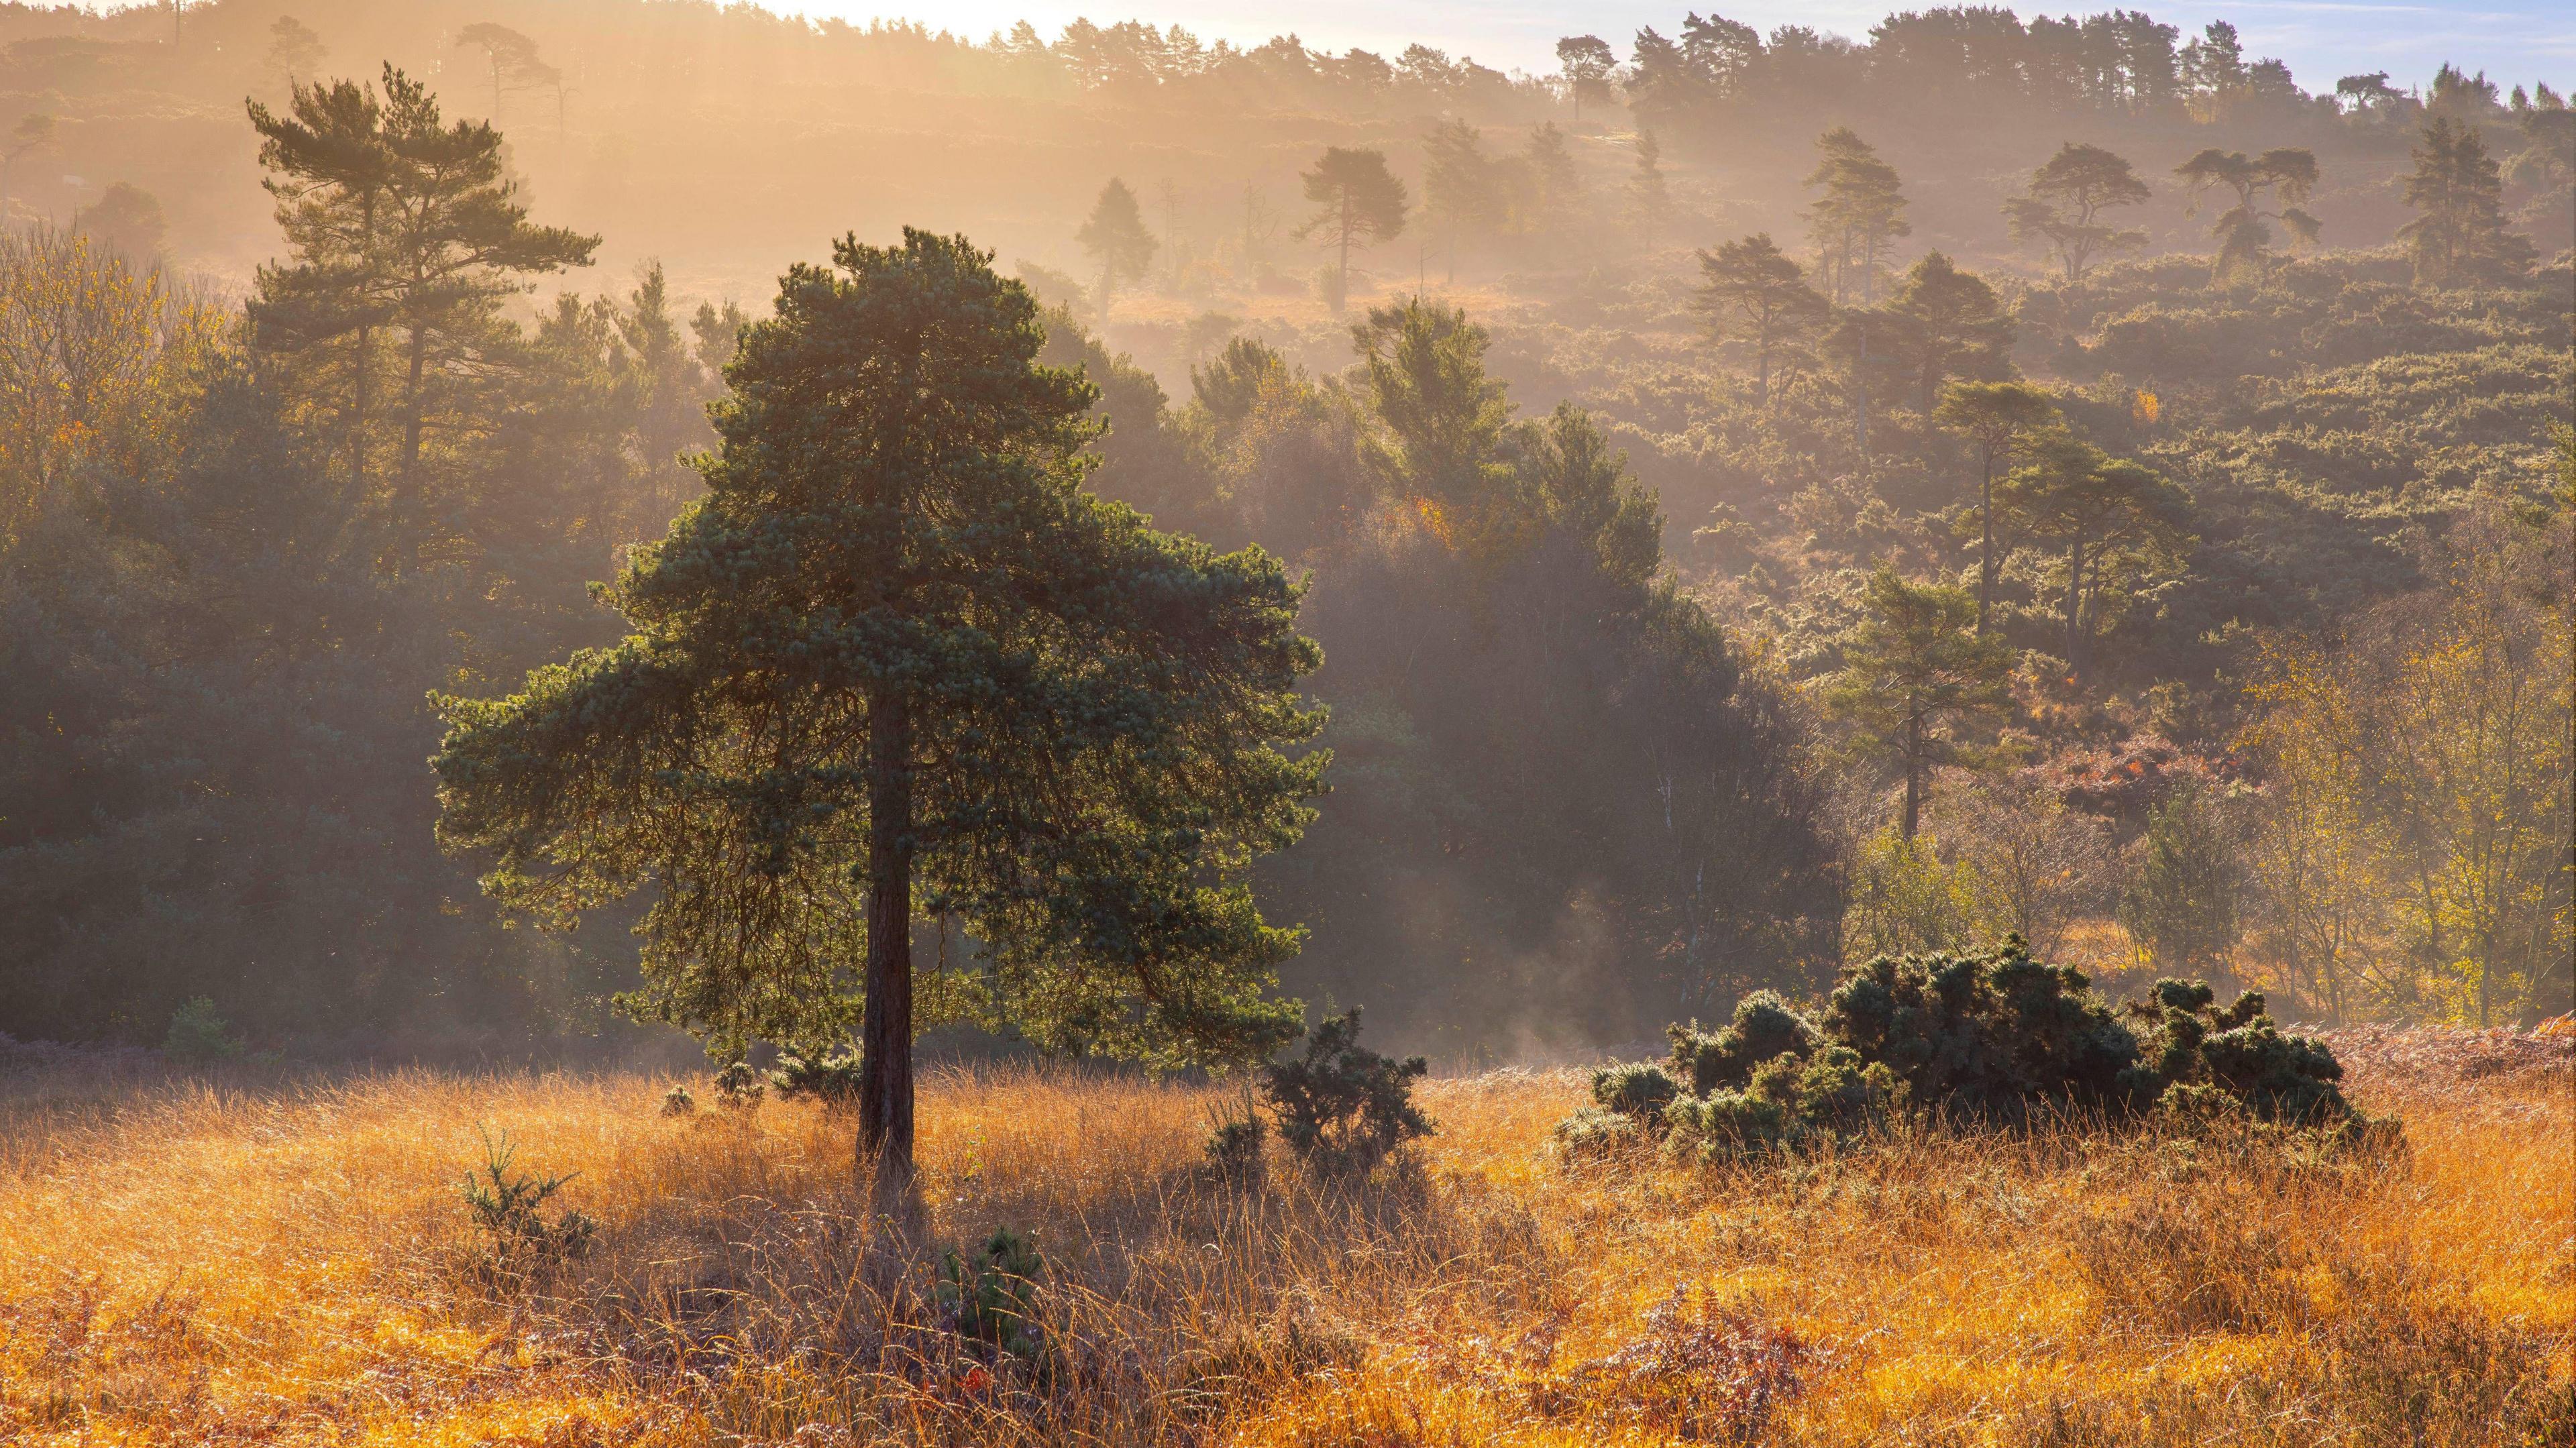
pixel 2512 40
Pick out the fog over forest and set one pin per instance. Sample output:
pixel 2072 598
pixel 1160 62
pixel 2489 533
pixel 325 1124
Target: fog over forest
pixel 1763 500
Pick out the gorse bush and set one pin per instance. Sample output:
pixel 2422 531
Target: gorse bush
pixel 1973 1038
pixel 739 1087
pixel 1342 1106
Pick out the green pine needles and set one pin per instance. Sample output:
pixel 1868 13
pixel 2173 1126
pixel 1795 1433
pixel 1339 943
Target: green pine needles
pixel 900 664
pixel 1991 1038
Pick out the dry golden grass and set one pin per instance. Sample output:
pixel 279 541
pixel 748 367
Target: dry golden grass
pixel 250 1261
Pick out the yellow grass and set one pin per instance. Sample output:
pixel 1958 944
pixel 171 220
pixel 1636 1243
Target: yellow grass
pixel 263 1262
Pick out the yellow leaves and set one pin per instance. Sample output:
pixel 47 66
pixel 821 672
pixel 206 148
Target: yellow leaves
pixel 2145 409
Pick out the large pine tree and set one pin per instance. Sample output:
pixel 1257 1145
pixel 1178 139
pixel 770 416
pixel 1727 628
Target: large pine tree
pixel 899 663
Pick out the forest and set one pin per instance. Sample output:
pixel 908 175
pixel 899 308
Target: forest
pixel 1881 665
pixel 1634 522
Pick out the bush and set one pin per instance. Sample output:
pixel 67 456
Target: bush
pixel 1764 1026
pixel 739 1087
pixel 991 1297
pixel 678 1102
pixel 1344 1107
pixel 1988 1038
pixel 1236 1138
pixel 504 1208
pixel 197 1035
pixel 830 1077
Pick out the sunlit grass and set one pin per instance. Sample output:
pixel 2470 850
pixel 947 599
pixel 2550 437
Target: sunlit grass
pixel 256 1261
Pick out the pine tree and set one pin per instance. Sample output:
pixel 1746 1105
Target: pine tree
pixel 1358 202
pixel 1117 239
pixel 2458 191
pixel 1650 202
pixel 1754 294
pixel 1999 417
pixel 2065 204
pixel 1588 63
pixel 1952 323
pixel 395 223
pixel 1459 190
pixel 2109 515
pixel 2288 173
pixel 1860 214
pixel 899 662
pixel 1914 668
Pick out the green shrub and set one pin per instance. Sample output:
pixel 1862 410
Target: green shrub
pixel 1764 1026
pixel 1989 1038
pixel 504 1207
pixel 1638 1091
pixel 739 1087
pixel 991 1297
pixel 1598 1131
pixel 1237 1136
pixel 678 1102
pixel 830 1077
pixel 197 1035
pixel 1342 1106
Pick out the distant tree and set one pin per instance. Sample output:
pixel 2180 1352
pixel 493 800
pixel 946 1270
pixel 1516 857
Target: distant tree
pixel 511 57
pixel 901 662
pixel 1460 189
pixel 1358 202
pixel 1754 294
pixel 128 219
pixel 2458 94
pixel 2186 904
pixel 2065 204
pixel 1117 240
pixel 2214 64
pixel 1997 417
pixel 1445 421
pixel 397 221
pixel 1913 669
pixel 1650 202
pixel 1588 62
pixel 2369 93
pixel 2288 173
pixel 1954 324
pixel 2457 190
pixel 2109 516
pixel 294 51
pixel 1555 183
pixel 34 132
pixel 1860 214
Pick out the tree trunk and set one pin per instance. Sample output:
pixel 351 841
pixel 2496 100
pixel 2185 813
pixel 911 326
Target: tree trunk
pixel 1986 553
pixel 1342 289
pixel 2075 608
pixel 885 1041
pixel 1913 775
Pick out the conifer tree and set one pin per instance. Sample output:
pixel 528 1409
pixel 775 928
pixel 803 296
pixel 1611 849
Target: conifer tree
pixel 1117 239
pixel 1650 202
pixel 1459 191
pixel 1358 202
pixel 2107 514
pixel 2065 204
pixel 1588 63
pixel 898 663
pixel 1913 669
pixel 395 223
pixel 2457 190
pixel 1998 417
pixel 1754 294
pixel 2288 174
pixel 1858 217
pixel 1953 323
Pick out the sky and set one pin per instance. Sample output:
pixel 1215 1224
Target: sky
pixel 2323 40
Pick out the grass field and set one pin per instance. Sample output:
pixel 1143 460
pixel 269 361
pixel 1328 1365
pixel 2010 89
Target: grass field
pixel 256 1260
